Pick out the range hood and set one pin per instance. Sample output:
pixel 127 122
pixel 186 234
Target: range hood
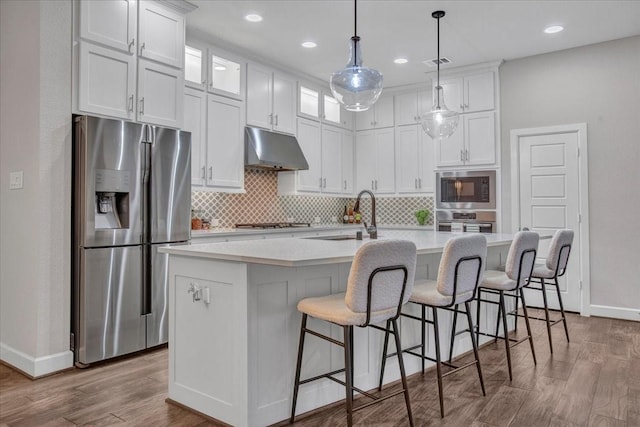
pixel 271 150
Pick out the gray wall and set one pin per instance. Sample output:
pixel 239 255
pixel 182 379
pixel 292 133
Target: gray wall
pixel 598 85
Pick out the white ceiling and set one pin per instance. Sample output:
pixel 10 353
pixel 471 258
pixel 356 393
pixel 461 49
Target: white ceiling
pixel 471 32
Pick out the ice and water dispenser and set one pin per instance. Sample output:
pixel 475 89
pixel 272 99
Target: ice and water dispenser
pixel 112 199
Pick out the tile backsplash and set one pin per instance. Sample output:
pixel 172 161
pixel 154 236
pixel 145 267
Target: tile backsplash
pixel 261 203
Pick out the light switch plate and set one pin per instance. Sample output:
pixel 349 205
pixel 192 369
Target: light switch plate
pixel 16 180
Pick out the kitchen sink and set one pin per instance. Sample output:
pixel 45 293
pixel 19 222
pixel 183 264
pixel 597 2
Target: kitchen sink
pixel 340 237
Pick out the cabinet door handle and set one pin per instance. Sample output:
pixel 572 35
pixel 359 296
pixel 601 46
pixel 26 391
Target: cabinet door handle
pixel 142 106
pixel 276 120
pixel 131 43
pixel 204 176
pixel 210 172
pixel 462 155
pixel 130 108
pixel 142 46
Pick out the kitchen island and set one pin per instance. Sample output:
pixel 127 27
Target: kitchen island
pixel 234 326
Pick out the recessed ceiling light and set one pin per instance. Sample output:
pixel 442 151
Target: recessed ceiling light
pixel 401 60
pixel 253 17
pixel 553 29
pixel 309 45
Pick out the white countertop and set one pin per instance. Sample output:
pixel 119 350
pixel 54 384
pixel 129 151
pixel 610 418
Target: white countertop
pixel 298 252
pixel 226 232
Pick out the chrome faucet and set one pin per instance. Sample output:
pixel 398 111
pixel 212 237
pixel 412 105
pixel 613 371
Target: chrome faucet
pixel 372 229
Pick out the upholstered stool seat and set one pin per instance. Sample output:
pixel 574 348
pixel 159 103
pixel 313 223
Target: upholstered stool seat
pixel 518 269
pixel 459 273
pixel 380 282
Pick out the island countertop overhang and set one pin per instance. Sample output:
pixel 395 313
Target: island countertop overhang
pixel 300 252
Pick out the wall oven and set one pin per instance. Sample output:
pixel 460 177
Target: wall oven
pixel 466 190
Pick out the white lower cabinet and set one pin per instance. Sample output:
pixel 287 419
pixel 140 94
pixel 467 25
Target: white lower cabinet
pixel 473 143
pixel 375 168
pixel 217 145
pixel 415 160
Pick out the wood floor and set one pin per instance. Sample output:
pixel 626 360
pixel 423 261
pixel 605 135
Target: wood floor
pixel 593 381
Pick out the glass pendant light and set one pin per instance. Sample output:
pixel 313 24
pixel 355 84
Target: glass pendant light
pixel 440 122
pixel 356 87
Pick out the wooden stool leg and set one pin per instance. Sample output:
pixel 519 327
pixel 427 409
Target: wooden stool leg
pixel 438 360
pixel 296 385
pixel 403 376
pixel 475 345
pixel 546 313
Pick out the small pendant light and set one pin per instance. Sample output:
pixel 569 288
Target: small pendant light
pixel 356 87
pixel 440 122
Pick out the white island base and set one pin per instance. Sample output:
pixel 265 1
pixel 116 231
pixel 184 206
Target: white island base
pixel 233 342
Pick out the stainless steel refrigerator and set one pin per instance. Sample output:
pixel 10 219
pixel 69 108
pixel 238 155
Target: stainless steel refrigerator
pixel 131 196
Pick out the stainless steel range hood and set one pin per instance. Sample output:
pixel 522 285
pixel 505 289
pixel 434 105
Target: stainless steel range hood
pixel 271 150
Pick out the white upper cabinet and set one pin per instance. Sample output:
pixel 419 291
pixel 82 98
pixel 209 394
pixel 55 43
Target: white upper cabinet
pixel 348 166
pixel 414 160
pixel 161 33
pixel 195 121
pixel 409 107
pixel 271 99
pixel 195 65
pixel 106 81
pixel 471 93
pixel 375 166
pixel 225 143
pixel 380 115
pixel 111 23
pixel 160 94
pixel 473 143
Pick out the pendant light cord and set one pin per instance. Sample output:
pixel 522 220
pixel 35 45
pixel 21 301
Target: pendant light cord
pixel 438 61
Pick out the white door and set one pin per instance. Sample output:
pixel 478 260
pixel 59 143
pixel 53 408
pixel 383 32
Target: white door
pixel 549 200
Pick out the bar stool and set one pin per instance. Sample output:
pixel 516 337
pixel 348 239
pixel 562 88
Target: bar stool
pixel 380 282
pixel 520 262
pixel 554 267
pixel 459 273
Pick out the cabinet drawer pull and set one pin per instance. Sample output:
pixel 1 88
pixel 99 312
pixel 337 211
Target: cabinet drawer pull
pixel 142 106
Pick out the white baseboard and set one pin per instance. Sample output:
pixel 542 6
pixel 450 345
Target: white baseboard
pixel 615 312
pixel 36 366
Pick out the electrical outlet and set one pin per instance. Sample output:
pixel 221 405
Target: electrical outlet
pixel 16 180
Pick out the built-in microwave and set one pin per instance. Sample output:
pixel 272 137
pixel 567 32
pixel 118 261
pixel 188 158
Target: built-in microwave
pixel 466 190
